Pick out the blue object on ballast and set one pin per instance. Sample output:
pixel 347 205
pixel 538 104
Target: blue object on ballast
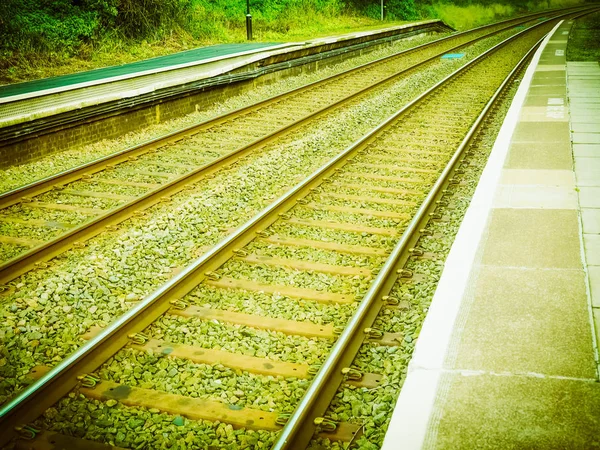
pixel 453 55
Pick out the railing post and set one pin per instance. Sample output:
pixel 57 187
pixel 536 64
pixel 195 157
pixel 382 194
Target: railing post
pixel 249 21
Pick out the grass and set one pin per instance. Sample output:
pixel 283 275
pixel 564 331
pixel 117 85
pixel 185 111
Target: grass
pixel 584 41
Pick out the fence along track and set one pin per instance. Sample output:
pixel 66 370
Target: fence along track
pixel 415 170
pixel 144 175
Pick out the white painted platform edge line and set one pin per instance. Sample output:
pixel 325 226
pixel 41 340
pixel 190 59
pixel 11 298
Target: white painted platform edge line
pixel 417 396
pixel 411 416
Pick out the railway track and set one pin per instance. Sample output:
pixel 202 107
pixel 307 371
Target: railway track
pixel 46 310
pixel 284 285
pixel 46 218
pixel 410 295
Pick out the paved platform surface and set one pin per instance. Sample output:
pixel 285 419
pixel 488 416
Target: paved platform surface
pixel 507 358
pixel 584 101
pixel 189 56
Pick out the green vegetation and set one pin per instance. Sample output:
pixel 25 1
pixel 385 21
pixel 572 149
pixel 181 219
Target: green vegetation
pixel 584 42
pixel 40 38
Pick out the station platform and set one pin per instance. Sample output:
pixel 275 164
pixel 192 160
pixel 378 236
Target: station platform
pixel 508 354
pixel 106 73
pixel 178 73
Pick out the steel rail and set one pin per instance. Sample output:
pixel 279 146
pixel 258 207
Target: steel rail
pixel 26 261
pixel 300 428
pixel 31 402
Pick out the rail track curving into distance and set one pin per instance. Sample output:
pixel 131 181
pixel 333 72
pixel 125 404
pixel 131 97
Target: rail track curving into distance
pixel 44 219
pixel 332 247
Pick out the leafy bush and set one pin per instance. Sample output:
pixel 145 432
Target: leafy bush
pixel 393 9
pixel 63 25
pixel 143 18
pixel 469 16
pixel 48 25
pixel 401 10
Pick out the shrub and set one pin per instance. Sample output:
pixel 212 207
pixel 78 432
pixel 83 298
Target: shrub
pixel 47 26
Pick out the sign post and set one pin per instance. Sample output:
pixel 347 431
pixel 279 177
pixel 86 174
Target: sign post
pixel 249 21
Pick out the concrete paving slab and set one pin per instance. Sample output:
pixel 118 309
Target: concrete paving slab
pixel 536 156
pixel 590 106
pixel 586 138
pixel 543 177
pixel 547 82
pixel 590 84
pixel 594 68
pixel 584 99
pixel 582 82
pixel 531 324
pixel 587 171
pixel 596 318
pixel 546 100
pixel 585 114
pixel 583 118
pixel 496 412
pixel 590 218
pixel 543 114
pixel 576 78
pixel 551 68
pixel 589 197
pixel 586 127
pixel 541 132
pixel 544 197
pixel 584 92
pixel 579 82
pixel 536 238
pixel 554 75
pixel 584 104
pixel 582 67
pixel 591 244
pixel 558 59
pixel 594 277
pixel 584 87
pixel 591 150
pixel 588 117
pixel 582 77
pixel 551 90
